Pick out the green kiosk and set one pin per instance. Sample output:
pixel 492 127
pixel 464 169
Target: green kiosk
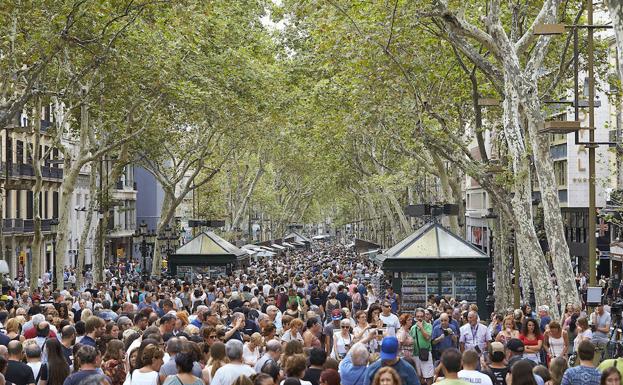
pixel 433 260
pixel 207 255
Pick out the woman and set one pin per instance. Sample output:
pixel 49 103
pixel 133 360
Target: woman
pixel 386 376
pixel 332 304
pixel 557 368
pixel 263 379
pixel 112 330
pixel 371 296
pixel 329 377
pixel 361 329
pixel 508 330
pixel 610 376
pixel 292 348
pixel 14 329
pixel 56 369
pixel 555 341
pixel 63 313
pixel 373 315
pixel 151 361
pixel 112 362
pixel 533 340
pixel 342 340
pixel 293 332
pixel 251 350
pixel 224 315
pixel 521 374
pixel 527 311
pixel 584 332
pixel 403 336
pixel 184 364
pixel 295 367
pixel 217 359
pixel 182 321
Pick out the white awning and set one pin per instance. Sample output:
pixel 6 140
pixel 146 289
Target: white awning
pixel 276 246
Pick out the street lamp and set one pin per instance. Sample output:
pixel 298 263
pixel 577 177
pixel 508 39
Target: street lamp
pixel 141 236
pixel 168 238
pixel 53 230
pixel 491 218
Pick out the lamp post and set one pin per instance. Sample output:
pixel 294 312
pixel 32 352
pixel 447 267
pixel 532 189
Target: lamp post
pixel 168 238
pixel 53 230
pixel 143 237
pixel 491 218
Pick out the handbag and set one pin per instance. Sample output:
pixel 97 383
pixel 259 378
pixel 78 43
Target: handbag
pixel 423 353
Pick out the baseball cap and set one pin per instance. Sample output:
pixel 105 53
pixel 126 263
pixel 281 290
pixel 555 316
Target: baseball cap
pixel 336 315
pixel 389 348
pixel 515 345
pixel 497 347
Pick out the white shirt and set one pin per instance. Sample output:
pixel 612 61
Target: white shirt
pixel 149 378
pixel 472 336
pixel 227 374
pixel 475 377
pixel 392 323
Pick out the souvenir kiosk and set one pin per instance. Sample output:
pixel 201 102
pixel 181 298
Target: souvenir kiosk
pixel 433 260
pixel 209 255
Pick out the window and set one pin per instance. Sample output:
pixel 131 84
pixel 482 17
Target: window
pixel 560 172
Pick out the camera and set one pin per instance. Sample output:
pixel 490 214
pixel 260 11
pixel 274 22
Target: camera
pixel 379 332
pixel 616 309
pixel 447 332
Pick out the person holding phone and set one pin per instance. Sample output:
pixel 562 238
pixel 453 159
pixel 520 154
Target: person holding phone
pixel 342 340
pixel 421 332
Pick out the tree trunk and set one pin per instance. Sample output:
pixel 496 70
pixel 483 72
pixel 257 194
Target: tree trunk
pixel 37 242
pixel 446 189
pixel 502 266
pixel 84 236
pixel 169 204
pixel 532 260
pixel 616 14
pixel 238 217
pixel 552 217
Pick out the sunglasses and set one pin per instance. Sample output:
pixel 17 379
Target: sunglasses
pixel 385 305
pixel 345 327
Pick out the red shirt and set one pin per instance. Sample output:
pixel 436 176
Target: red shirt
pixel 32 333
pixel 530 342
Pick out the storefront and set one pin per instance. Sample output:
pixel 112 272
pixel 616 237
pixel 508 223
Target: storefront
pixel 207 255
pixel 435 261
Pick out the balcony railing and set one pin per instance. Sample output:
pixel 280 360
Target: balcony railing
pixel 26 170
pixel 20 226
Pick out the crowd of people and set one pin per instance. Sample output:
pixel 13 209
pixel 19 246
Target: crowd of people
pixel 314 317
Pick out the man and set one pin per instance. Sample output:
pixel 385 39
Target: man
pixel 90 361
pixel 394 300
pixel 353 367
pixel 474 335
pixel 94 327
pixel 544 317
pixel 445 335
pixel 601 321
pixel 312 333
pixel 390 320
pixel 585 373
pixel 469 372
pixel 449 310
pixel 227 374
pixel 336 317
pixel 450 366
pixel 175 346
pixel 343 297
pixel 141 321
pixel 514 352
pixel 148 303
pixel 272 354
pixel 317 358
pixel 124 323
pixel 421 334
pixel 106 313
pixel 43 333
pixel 68 337
pixel 274 314
pixel 18 372
pixel 389 357
pixel 33 358
pixel 167 324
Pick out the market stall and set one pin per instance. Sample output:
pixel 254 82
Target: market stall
pixel 207 255
pixel 433 260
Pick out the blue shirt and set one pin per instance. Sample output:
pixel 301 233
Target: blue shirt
pixel 86 340
pixel 405 371
pixel 581 375
pixel 447 340
pixel 349 373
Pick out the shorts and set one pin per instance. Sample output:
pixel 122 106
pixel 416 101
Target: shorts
pixel 426 369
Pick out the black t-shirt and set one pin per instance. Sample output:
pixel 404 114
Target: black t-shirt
pixel 19 373
pixel 68 353
pixel 343 298
pixel 80 375
pixel 498 375
pixel 312 375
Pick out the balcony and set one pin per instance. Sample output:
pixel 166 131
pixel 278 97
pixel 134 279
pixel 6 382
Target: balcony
pixel 23 226
pixel 25 170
